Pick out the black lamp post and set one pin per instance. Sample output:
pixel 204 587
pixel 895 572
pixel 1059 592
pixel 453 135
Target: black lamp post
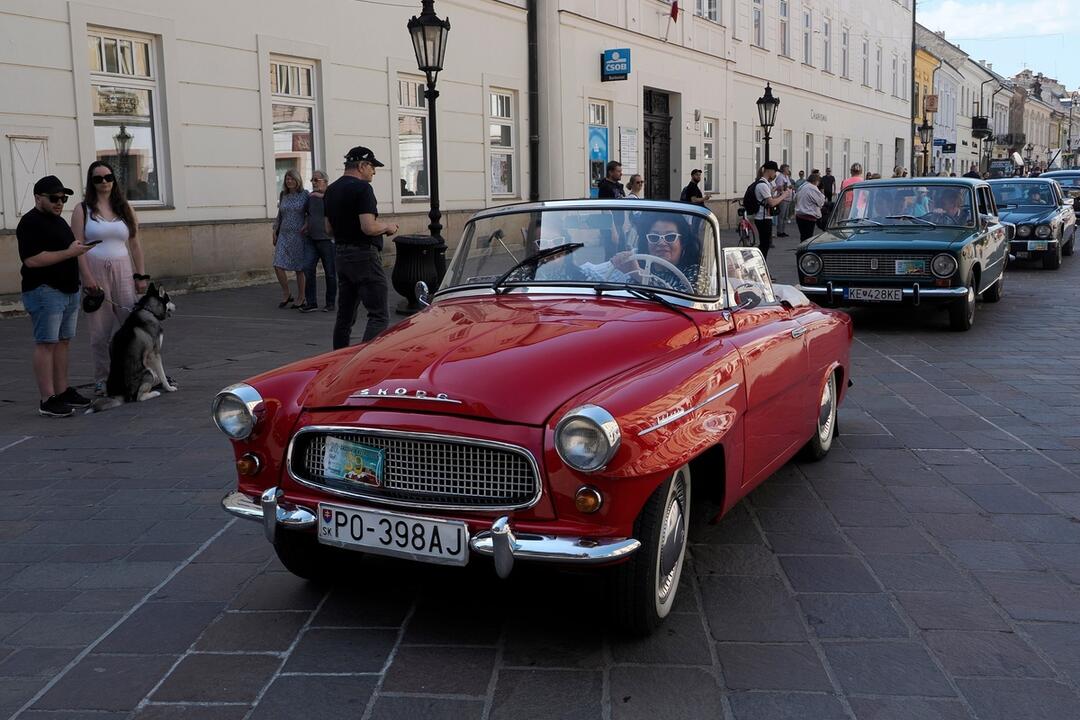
pixel 122 142
pixel 766 109
pixel 429 34
pixel 926 132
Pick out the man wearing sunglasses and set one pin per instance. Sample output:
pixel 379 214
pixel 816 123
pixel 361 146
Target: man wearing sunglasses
pixel 50 293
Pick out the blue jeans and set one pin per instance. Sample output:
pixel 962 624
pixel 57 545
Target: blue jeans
pixel 54 314
pixel 314 251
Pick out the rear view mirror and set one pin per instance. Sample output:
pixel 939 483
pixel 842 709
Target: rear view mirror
pixel 746 298
pixel 1010 231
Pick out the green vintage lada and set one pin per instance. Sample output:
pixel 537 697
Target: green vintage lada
pixel 910 241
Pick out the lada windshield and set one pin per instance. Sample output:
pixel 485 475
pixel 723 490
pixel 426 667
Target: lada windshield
pixel 914 204
pixel 659 249
pixel 1069 185
pixel 1022 193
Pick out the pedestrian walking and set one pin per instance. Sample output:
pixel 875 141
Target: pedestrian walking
pixel 611 187
pixel 782 184
pixel 856 176
pixel 636 187
pixel 828 184
pixel 353 216
pixel 318 246
pixel 809 201
pixel 767 199
pixel 973 173
pixel 50 293
pixel 801 180
pixel 106 220
pixel 289 237
pixel 692 192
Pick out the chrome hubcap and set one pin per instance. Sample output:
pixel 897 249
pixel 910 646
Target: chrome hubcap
pixel 672 539
pixel 826 416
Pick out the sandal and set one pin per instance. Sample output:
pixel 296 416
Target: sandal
pixel 284 303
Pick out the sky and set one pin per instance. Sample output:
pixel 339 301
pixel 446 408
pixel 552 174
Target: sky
pixel 1012 34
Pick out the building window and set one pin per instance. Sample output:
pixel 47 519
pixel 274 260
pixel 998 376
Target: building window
pixel 807 37
pixel 866 62
pixel 708 154
pixel 877 67
pixel 708 9
pixel 845 165
pixel 412 138
pixel 903 81
pixel 845 53
pixel 826 29
pixel 895 76
pixel 502 141
pixel 786 149
pixel 292 94
pixel 785 28
pixel 828 153
pixel 759 24
pixel 735 156
pixel 808 156
pixel 866 157
pixel 597 148
pixel 125 94
pixel 880 159
pixel 758 159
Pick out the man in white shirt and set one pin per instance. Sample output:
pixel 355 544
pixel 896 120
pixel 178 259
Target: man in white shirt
pixel 767 199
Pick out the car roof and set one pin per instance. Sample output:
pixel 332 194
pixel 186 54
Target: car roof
pixel 1040 178
pixel 946 181
pixel 1059 173
pixel 595 204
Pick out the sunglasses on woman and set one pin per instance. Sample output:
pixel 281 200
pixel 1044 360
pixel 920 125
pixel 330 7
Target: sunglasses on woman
pixel 666 238
pixel 98 179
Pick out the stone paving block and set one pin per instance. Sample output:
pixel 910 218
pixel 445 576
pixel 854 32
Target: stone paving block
pixel 850 489
pixel 442 669
pixel 105 600
pixel 828 542
pixel 889 540
pixel 1033 596
pixel 1008 499
pixel 1062 557
pixel 217 678
pixel 217 582
pixel 1060 643
pixel 47 576
pixel 328 697
pixel 681 640
pixel 669 693
pixel 798 521
pixel 907 709
pixel 757 666
pixel 106 682
pixel 277 591
pixel 159 627
pixel 16 692
pixel 867 513
pixel 31 662
pixel 330 650
pixel 1038 528
pixel 785 706
pixel 1011 699
pixel 852 616
pixel 126 575
pixel 1045 479
pixel 735 527
pixel 359 607
pixel 62 629
pixel 733 560
pixel 543 694
pixel 917 572
pixel 252 632
pixel 751 609
pixel 20 601
pixel 395 707
pixel 934 500
pixel 951 611
pixel 827 574
pixel 188 712
pixel 543 642
pixel 886 668
pixel 986 654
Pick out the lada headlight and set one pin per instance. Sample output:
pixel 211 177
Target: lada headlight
pixel 1023 231
pixel 810 264
pixel 1043 231
pixel 587 438
pixel 234 410
pixel 943 265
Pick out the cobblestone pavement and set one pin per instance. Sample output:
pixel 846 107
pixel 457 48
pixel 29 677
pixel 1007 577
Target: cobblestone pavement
pixel 927 569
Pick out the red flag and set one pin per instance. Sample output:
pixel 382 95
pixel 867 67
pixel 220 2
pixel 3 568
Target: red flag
pixel 675 10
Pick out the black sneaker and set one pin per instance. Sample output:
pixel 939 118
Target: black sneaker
pixel 55 407
pixel 329 308
pixel 305 308
pixel 72 397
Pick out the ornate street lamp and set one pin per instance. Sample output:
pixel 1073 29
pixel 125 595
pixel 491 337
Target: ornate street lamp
pixel 766 108
pixel 429 33
pixel 122 142
pixel 926 133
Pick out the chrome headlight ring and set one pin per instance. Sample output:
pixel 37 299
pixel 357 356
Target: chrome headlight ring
pixel 234 410
pixel 1043 231
pixel 1023 231
pixel 587 438
pixel 943 265
pixel 810 263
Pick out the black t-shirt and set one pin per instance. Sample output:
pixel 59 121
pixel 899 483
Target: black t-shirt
pixel 346 200
pixel 609 189
pixel 828 184
pixel 690 192
pixel 40 232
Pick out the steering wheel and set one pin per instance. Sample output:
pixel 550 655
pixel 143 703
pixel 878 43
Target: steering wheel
pixel 650 260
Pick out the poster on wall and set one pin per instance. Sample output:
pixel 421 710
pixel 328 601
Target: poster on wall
pixel 628 151
pixel 598 157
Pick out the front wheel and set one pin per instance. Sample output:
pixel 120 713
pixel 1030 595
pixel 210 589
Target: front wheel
pixel 646 584
pixel 993 293
pixel 1068 249
pixel 305 557
pixel 1052 259
pixel 962 313
pixel 747 236
pixel 825 431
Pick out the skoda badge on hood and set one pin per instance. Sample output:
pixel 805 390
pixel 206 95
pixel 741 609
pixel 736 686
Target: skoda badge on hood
pixel 404 394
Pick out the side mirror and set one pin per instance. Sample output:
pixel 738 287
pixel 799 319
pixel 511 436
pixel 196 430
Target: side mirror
pixel 987 219
pixel 1010 231
pixel 422 293
pixel 746 299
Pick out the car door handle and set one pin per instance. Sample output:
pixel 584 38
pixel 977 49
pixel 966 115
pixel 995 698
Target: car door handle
pixel 798 332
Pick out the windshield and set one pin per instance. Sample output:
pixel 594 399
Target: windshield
pixel 659 249
pixel 1022 193
pixel 870 205
pixel 1069 185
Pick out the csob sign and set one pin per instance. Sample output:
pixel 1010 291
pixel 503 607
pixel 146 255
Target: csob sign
pixel 615 64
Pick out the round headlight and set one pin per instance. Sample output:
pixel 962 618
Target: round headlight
pixel 943 265
pixel 234 410
pixel 810 264
pixel 587 438
pixel 1023 231
pixel 1043 231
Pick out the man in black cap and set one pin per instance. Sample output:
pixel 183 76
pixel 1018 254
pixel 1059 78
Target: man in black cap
pixel 767 198
pixel 352 216
pixel 50 293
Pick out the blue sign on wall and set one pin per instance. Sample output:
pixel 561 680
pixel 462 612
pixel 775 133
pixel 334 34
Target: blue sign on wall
pixel 598 157
pixel 939 141
pixel 615 64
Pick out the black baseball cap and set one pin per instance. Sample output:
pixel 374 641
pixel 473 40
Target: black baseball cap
pixel 51 184
pixel 770 165
pixel 362 154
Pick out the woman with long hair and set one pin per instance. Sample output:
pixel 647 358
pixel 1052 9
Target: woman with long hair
pixel 289 237
pixel 115 263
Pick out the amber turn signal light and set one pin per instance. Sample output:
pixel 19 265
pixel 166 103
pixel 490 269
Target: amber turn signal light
pixel 248 464
pixel 588 499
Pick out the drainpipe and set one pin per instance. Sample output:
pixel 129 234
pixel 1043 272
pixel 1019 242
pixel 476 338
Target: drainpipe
pixel 914 93
pixel 532 10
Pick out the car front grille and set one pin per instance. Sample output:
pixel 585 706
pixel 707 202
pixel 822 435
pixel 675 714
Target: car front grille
pixel 425 471
pixel 872 265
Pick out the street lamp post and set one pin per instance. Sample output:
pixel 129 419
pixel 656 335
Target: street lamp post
pixel 766 108
pixel 429 33
pixel 926 131
pixel 122 142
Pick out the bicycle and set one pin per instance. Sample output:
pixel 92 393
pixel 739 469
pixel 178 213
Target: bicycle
pixel 747 232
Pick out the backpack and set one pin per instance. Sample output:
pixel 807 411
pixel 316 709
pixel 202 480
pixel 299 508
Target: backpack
pixel 749 199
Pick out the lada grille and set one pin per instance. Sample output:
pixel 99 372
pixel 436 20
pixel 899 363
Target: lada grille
pixel 872 265
pixel 426 471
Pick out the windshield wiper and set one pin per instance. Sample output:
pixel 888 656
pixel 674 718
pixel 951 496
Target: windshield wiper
pixel 647 294
pixel 535 260
pixel 911 218
pixel 851 220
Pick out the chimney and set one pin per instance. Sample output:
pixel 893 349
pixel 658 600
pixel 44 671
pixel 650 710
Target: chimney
pixel 989 66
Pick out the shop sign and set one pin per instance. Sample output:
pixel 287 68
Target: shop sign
pixel 948 149
pixel 615 64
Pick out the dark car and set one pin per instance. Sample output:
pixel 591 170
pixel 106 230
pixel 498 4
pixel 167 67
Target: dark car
pixel 1045 220
pixel 910 240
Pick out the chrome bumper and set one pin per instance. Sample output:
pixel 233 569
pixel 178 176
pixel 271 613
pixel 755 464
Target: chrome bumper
pixel 914 292
pixel 499 542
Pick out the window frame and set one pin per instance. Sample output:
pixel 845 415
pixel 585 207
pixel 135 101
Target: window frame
pixel 708 10
pixel 784 26
pixel 866 61
pixel 845 53
pixel 512 150
pixel 808 37
pixel 757 23
pixel 417 110
pixel 310 101
pixel 708 153
pixel 826 31
pixel 877 68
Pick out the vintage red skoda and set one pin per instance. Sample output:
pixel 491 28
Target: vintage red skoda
pixel 585 369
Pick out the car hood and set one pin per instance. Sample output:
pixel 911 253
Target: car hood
pixel 908 239
pixel 1026 214
pixel 511 358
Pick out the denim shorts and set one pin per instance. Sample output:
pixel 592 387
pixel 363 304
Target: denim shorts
pixel 53 313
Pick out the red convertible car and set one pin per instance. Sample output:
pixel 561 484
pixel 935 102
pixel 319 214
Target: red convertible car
pixel 584 370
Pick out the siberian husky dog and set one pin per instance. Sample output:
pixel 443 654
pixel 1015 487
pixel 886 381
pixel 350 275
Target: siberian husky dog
pixel 135 353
